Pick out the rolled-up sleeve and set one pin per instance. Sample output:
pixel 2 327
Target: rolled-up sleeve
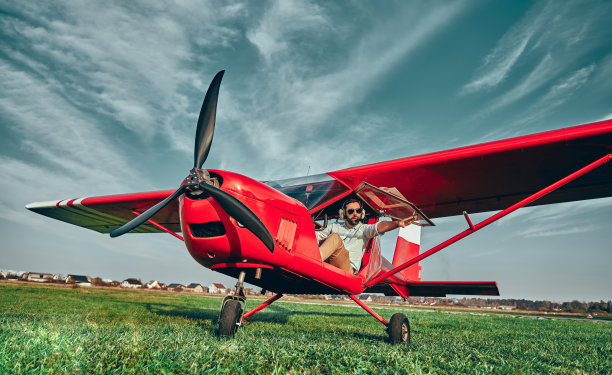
pixel 370 231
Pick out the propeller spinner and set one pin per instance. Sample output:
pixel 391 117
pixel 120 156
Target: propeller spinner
pixel 198 181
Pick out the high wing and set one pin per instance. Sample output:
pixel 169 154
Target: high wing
pixel 492 176
pixel 106 213
pixel 479 178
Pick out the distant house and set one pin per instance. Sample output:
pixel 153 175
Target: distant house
pixel 154 284
pixel 217 288
pixel 59 278
pixel 195 287
pixel 38 277
pixel 11 275
pixel 176 286
pixel 78 279
pixel 131 283
pixel 2 275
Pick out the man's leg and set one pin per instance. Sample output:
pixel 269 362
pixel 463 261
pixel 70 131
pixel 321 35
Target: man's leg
pixel 334 253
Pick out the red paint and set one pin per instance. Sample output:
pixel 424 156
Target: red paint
pixel 405 250
pixel 495 217
pixel 261 307
pixel 494 175
pixel 366 308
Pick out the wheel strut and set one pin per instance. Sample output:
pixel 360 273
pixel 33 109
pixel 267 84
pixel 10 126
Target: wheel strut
pixel 398 327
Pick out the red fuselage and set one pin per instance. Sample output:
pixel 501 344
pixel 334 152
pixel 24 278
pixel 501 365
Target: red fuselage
pixel 217 241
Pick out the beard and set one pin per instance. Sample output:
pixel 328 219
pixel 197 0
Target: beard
pixel 352 222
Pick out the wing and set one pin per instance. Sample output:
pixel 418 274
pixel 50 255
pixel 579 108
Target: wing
pixel 492 176
pixel 106 213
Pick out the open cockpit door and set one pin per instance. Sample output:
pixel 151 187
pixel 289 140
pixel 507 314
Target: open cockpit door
pixel 372 260
pixel 391 203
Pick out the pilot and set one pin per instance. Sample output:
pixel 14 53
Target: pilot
pixel 345 242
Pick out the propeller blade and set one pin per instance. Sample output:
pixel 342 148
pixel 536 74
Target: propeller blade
pixel 138 220
pixel 241 213
pixel 206 122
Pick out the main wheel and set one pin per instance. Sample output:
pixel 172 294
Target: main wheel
pixel 228 319
pixel 399 329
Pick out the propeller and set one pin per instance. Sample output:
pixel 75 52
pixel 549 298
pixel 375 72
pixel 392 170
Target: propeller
pixel 198 181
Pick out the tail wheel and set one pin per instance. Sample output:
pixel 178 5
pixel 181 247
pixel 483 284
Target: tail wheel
pixel 399 329
pixel 231 312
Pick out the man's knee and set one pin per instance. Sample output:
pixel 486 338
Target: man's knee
pixel 334 237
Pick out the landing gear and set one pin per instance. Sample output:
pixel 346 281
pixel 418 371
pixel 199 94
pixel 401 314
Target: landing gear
pixel 230 316
pixel 398 329
pixel 232 313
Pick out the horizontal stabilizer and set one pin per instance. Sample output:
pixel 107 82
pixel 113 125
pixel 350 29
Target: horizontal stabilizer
pixel 442 288
pixel 438 288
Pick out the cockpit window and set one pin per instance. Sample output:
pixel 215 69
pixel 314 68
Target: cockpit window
pixel 312 191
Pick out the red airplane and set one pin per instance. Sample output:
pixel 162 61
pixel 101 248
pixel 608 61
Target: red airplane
pixel 263 233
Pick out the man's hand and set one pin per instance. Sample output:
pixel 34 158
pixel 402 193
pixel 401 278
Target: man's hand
pixel 385 226
pixel 405 222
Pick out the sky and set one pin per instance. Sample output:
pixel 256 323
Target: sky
pixel 102 98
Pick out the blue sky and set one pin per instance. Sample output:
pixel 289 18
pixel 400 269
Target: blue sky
pixel 101 99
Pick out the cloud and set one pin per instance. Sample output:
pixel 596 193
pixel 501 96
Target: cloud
pixel 558 94
pixel 130 67
pixel 570 218
pixel 58 135
pixel 282 22
pixel 534 57
pixel 563 230
pixel 536 78
pixel 294 106
pixel 497 64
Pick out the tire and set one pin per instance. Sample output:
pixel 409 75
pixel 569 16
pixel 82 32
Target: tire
pixel 399 329
pixel 231 312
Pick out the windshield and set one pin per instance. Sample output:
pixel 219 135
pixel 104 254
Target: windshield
pixel 312 191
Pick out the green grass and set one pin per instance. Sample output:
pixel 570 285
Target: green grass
pixel 52 329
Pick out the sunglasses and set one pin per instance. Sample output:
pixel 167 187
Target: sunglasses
pixel 351 210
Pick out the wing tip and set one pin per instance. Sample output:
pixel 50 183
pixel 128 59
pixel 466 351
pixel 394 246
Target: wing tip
pixel 37 205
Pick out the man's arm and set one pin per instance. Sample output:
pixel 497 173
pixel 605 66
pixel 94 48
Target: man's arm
pixel 385 226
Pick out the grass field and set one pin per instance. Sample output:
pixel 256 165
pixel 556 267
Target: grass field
pixel 86 330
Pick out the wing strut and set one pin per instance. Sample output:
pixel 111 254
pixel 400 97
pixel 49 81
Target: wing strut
pixel 158 225
pixel 491 219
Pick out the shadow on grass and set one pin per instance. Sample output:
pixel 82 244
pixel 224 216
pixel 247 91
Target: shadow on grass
pixel 280 314
pixel 274 314
pixel 196 314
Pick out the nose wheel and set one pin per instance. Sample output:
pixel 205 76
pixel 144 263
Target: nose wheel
pixel 398 329
pixel 230 316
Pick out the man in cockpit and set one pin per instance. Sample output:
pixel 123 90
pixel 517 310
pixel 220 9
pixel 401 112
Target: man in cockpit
pixel 345 242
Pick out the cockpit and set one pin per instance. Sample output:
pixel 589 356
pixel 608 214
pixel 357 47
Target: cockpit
pixel 312 191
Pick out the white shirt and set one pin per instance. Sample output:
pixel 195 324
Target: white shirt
pixel 355 239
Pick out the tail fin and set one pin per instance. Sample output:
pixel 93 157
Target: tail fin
pixel 407 247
